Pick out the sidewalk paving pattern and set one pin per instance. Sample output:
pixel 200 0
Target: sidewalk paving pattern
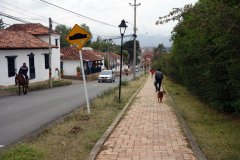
pixel 149 131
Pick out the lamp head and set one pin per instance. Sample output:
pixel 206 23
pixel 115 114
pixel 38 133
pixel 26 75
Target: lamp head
pixel 122 27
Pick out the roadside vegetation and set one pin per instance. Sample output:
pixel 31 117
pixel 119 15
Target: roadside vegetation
pixel 205 52
pixel 202 73
pixel 216 132
pixel 75 135
pixel 55 82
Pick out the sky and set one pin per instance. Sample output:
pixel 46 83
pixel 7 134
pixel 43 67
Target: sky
pixel 102 16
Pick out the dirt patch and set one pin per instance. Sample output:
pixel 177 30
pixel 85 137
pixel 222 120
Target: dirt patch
pixel 75 130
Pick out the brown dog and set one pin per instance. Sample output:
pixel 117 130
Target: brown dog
pixel 160 95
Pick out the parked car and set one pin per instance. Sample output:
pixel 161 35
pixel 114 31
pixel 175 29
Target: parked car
pixel 106 76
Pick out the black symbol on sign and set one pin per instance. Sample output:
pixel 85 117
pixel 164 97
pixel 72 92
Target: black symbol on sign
pixel 78 36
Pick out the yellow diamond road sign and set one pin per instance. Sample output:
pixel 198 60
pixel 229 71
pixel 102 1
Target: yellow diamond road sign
pixel 78 37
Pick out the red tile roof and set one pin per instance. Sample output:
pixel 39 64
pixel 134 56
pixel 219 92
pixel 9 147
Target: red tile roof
pixel 149 52
pixel 71 53
pixel 21 40
pixel 97 53
pixel 148 55
pixel 32 28
pixel 113 56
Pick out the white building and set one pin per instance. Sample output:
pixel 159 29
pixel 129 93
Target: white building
pixel 114 60
pixel 28 43
pixel 70 60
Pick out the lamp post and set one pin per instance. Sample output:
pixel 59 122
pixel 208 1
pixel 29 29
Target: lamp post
pixel 122 27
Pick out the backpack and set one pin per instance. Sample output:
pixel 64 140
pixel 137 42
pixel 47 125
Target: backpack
pixel 159 75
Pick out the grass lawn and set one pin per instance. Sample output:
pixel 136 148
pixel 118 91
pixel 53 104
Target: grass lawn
pixel 74 137
pixel 217 133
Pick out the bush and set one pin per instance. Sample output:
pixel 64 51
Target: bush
pixel 78 69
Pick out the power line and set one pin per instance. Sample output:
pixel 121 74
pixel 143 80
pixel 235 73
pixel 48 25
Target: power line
pixel 25 11
pixel 20 8
pixel 15 18
pixel 145 29
pixel 98 10
pixel 78 14
pixel 14 11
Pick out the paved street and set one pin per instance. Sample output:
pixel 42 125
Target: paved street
pixel 149 131
pixel 21 116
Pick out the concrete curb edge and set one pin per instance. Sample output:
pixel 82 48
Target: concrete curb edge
pixel 97 146
pixel 187 131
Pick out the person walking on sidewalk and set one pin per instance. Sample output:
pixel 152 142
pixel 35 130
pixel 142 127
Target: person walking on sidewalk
pixel 158 78
pixel 152 72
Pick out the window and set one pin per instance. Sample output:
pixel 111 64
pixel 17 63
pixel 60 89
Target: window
pixel 46 56
pixel 11 65
pixel 32 66
pixel 56 42
pixel 61 65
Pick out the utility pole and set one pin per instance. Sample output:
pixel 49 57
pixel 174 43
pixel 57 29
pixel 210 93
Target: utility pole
pixel 50 53
pixel 135 29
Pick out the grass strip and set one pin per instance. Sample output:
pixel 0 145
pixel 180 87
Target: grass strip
pixel 74 137
pixel 216 133
pixel 55 82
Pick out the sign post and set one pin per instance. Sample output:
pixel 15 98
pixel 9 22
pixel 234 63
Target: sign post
pixel 78 37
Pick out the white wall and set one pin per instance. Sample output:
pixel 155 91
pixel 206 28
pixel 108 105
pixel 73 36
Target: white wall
pixel 41 73
pixel 55 53
pixel 69 67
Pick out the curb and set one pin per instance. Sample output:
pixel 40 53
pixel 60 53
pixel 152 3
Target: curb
pixel 187 131
pixel 43 87
pixel 94 152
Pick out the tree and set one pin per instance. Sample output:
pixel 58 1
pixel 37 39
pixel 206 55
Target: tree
pixel 87 28
pixel 125 55
pixel 99 39
pixel 158 52
pixel 104 44
pixel 128 46
pixel 206 51
pixel 64 30
pixel 2 26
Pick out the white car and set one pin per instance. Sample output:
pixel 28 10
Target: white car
pixel 136 68
pixel 106 76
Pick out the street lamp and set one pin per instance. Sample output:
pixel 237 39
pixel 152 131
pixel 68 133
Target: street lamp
pixel 122 27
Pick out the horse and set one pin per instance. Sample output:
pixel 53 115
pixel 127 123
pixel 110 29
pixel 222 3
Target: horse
pixel 21 82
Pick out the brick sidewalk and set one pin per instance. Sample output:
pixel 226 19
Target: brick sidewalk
pixel 148 131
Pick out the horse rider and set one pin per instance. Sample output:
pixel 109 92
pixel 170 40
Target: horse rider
pixel 23 70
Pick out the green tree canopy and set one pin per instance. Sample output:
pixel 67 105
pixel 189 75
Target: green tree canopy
pixel 64 30
pixel 158 52
pixel 104 44
pixel 125 56
pixel 87 28
pixel 128 46
pixel 206 51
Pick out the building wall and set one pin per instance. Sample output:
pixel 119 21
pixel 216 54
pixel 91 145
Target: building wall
pixel 69 67
pixel 55 53
pixel 41 74
pixel 22 56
